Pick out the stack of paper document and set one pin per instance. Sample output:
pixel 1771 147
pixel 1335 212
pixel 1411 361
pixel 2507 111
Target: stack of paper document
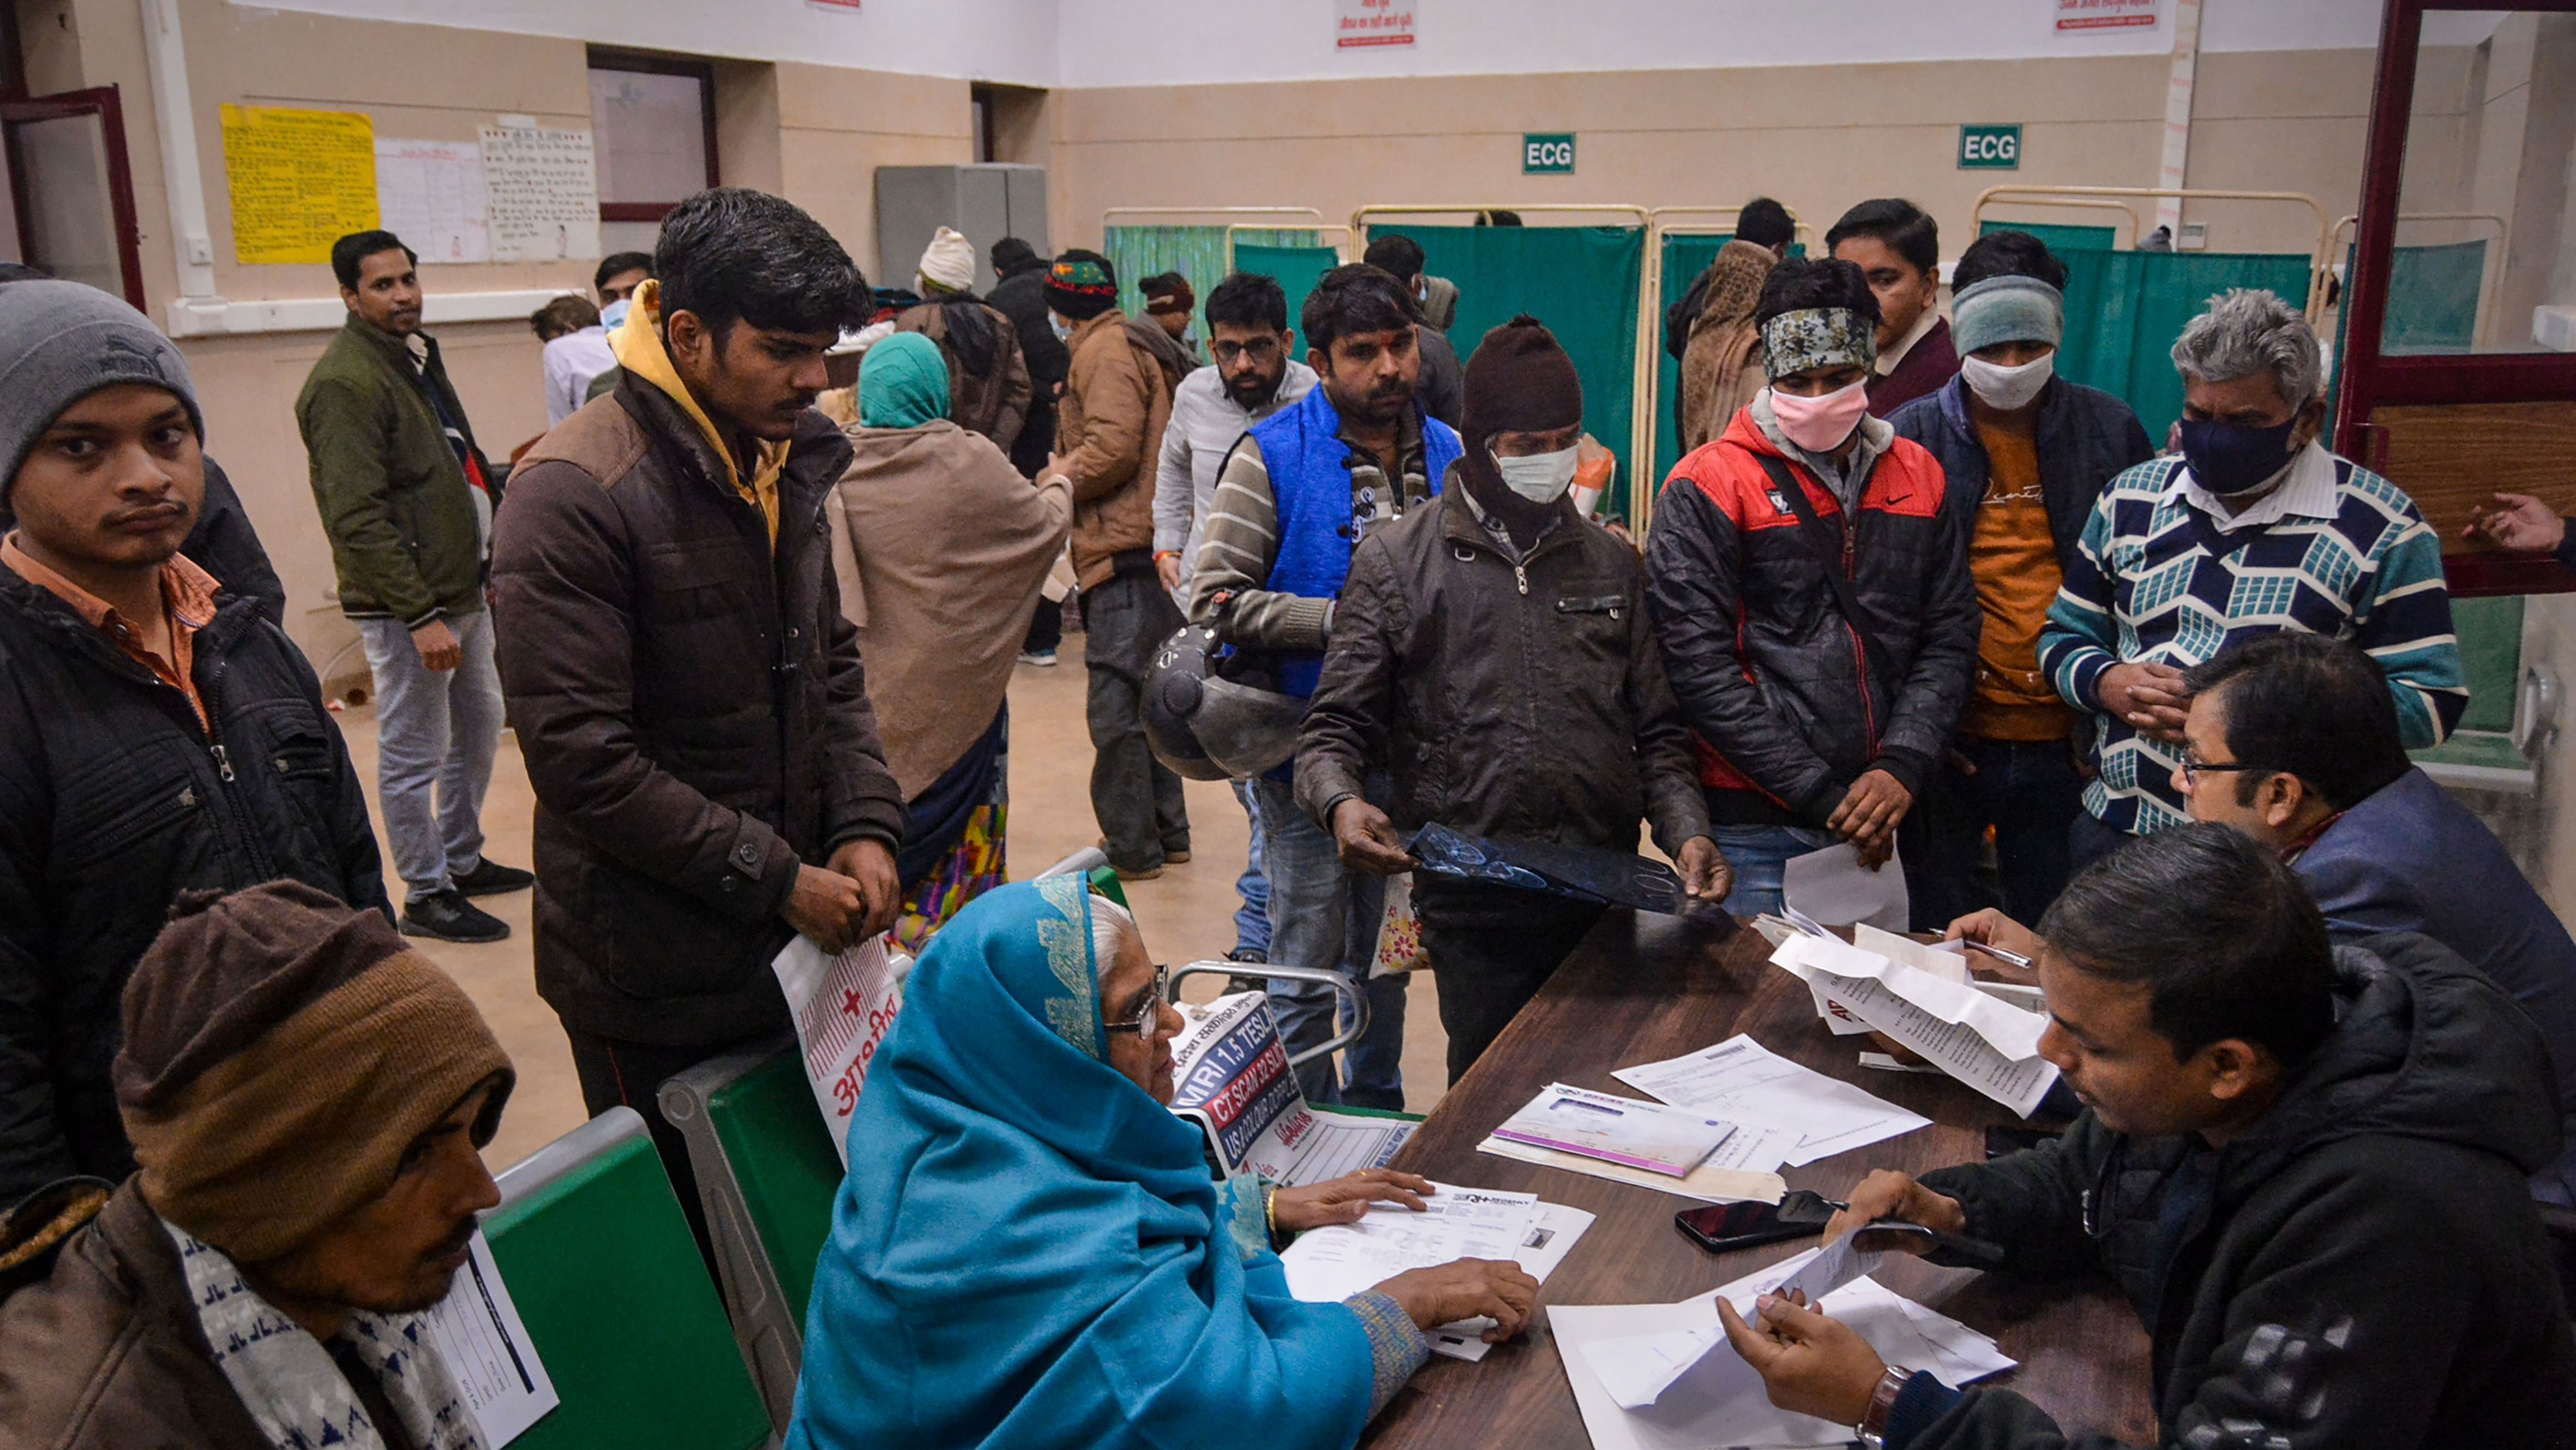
pixel 1888 984
pixel 1663 1377
pixel 1783 1113
pixel 1326 1265
pixel 1617 1130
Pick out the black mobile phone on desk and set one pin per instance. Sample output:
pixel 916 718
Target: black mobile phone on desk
pixel 1725 1227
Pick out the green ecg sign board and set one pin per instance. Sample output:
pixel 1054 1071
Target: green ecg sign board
pixel 1547 153
pixel 1990 148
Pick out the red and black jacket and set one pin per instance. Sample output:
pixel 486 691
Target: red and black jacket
pixel 1781 695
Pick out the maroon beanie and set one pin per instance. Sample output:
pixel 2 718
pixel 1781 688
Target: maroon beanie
pixel 1519 380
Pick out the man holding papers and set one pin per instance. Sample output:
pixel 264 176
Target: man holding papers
pixel 2304 1166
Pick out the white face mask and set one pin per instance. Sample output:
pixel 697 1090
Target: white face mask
pixel 2008 388
pixel 1538 477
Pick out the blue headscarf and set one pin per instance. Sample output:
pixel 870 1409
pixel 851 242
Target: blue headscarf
pixel 1028 1250
pixel 903 382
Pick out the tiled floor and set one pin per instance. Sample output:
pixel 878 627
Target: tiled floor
pixel 1187 914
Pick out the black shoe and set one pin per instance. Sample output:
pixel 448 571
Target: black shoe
pixel 491 878
pixel 446 916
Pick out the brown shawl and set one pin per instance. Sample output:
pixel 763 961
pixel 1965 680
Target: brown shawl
pixel 1722 362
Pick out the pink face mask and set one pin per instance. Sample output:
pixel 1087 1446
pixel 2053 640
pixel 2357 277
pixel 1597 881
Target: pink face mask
pixel 1820 425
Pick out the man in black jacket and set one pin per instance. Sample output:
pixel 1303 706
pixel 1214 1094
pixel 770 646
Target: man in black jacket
pixel 2026 453
pixel 158 734
pixel 1492 648
pixel 2305 1166
pixel 1019 293
pixel 687 694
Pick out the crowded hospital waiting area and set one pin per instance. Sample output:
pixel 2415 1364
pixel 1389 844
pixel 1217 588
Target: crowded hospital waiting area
pixel 1485 724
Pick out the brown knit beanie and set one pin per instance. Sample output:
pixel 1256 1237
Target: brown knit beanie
pixel 282 1053
pixel 1519 380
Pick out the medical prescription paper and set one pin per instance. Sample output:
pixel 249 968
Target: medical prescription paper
pixel 1988 1044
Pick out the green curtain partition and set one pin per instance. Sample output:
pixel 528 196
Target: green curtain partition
pixel 1196 252
pixel 2061 237
pixel 2124 310
pixel 1581 281
pixel 1298 268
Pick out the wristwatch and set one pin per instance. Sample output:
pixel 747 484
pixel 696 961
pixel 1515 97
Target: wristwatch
pixel 1872 1429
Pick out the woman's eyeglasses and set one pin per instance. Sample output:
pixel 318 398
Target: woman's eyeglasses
pixel 1150 1011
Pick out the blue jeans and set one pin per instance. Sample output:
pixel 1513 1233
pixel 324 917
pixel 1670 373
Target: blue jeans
pixel 1252 919
pixel 1325 915
pixel 2030 793
pixel 1758 854
pixel 436 731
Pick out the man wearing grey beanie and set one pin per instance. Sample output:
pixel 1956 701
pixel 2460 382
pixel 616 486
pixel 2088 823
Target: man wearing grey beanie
pixel 158 734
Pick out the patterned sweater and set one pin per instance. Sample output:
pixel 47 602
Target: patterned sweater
pixel 2160 578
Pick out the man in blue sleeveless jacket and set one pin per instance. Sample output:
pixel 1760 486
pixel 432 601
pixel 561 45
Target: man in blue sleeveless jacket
pixel 1295 497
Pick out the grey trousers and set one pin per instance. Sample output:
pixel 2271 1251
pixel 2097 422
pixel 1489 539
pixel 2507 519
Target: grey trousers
pixel 1136 797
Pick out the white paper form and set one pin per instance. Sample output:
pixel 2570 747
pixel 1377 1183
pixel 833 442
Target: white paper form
pixel 1767 1096
pixel 1985 1043
pixel 1832 887
pixel 488 1352
pixel 1705 1183
pixel 1619 1130
pixel 1551 1237
pixel 1714 1400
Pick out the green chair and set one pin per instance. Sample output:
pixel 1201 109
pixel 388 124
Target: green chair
pixel 2511 712
pixel 767 1173
pixel 598 1257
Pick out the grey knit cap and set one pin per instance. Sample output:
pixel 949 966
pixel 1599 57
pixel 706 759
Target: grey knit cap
pixel 61 342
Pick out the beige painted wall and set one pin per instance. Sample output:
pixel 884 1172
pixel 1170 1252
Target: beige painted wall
pixel 1817 138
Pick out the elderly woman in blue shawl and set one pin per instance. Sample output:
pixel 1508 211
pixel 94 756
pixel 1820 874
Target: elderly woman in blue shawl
pixel 1029 1251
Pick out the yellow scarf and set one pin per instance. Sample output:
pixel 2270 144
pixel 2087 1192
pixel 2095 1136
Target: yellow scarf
pixel 638 345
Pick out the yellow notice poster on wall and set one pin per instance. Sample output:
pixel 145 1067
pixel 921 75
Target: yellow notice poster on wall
pixel 300 180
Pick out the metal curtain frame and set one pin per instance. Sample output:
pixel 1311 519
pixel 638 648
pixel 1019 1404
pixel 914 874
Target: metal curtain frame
pixel 1650 312
pixel 1122 215
pixel 1641 421
pixel 2040 195
pixel 1341 249
pixel 2504 244
pixel 2076 201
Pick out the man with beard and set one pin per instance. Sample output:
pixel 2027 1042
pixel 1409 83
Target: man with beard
pixel 1294 499
pixel 1253 377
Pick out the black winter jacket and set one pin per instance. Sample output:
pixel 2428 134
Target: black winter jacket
pixel 2361 1269
pixel 690 704
pixel 2086 438
pixel 113 800
pixel 1788 704
pixel 1021 297
pixel 1522 701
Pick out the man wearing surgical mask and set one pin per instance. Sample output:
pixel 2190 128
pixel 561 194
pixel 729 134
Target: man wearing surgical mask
pixel 2026 453
pixel 2256 528
pixel 1491 646
pixel 1817 719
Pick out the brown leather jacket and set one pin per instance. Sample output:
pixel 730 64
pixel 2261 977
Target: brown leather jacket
pixel 1109 431
pixel 994 402
pixel 101 1349
pixel 1520 700
pixel 692 710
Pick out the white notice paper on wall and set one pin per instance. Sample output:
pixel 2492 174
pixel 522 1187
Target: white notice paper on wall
pixel 430 194
pixel 844 1006
pixel 488 1352
pixel 544 193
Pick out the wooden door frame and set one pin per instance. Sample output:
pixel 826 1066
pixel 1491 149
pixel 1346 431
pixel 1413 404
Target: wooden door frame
pixel 102 102
pixel 647 62
pixel 2371 379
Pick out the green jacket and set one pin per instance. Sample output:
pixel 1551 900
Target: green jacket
pixel 406 536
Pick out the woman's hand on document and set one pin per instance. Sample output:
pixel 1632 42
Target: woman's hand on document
pixel 1344 1199
pixel 1467 1289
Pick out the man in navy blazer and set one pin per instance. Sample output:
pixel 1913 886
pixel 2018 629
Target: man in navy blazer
pixel 2292 738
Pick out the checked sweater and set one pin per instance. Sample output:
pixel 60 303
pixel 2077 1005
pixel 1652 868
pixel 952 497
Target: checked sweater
pixel 2157 578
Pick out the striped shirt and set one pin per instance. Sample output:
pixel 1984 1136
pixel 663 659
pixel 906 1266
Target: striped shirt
pixel 2164 576
pixel 1242 543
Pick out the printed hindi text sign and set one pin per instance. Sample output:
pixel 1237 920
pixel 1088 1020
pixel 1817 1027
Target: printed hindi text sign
pixel 544 194
pixel 843 1006
pixel 299 181
pixel 1372 22
pixel 1990 148
pixel 431 196
pixel 2074 15
pixel 1547 153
